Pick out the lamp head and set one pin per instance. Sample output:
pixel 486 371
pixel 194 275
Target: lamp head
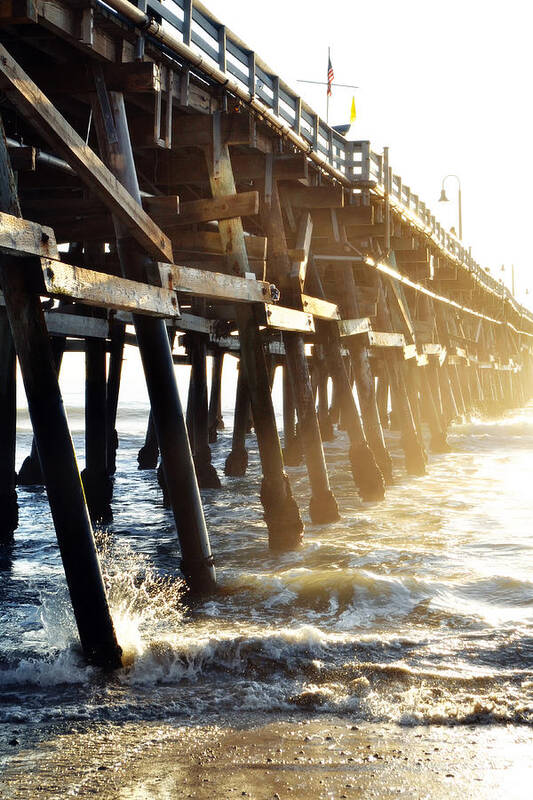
pixel 443 198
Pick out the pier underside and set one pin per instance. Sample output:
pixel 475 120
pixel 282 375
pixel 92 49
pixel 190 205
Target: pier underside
pixel 160 187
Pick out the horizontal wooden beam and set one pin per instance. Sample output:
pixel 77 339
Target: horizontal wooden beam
pixel 214 285
pixel 174 168
pixel 107 291
pixel 321 309
pixel 42 114
pixel 286 319
pixel 354 327
pixel 313 196
pixel 195 130
pixel 75 325
pixel 385 339
pixel 209 242
pixel 243 204
pixel 18 237
pixel 135 76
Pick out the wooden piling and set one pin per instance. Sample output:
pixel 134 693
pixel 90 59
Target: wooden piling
pixel 206 474
pixel 364 381
pixel 96 481
pixel 56 452
pixel 237 460
pixel 149 452
pixel 116 356
pixel 292 447
pixel 322 505
pixel 327 431
pixel 180 478
pixel 281 513
pixel 216 422
pixel 30 472
pixel 412 441
pixel 437 425
pixel 366 473
pixel 8 428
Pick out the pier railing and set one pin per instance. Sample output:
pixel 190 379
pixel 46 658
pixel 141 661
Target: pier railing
pixel 187 29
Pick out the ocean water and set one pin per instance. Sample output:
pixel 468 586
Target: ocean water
pixel 414 611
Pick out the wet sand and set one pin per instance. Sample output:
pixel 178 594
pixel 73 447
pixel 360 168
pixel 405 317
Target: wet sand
pixel 292 759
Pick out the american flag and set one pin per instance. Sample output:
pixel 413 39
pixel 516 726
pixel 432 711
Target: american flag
pixel 330 76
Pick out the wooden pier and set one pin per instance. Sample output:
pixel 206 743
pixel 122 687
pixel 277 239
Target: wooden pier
pixel 160 185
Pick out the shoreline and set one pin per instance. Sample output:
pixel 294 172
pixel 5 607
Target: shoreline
pixel 262 758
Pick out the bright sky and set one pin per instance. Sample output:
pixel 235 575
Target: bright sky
pixel 445 85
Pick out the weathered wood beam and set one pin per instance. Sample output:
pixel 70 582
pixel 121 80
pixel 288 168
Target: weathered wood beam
pixel 135 76
pixel 285 319
pixel 174 168
pixel 245 204
pixel 321 309
pixel 385 339
pixel 18 237
pixel 298 268
pixel 60 324
pixel 313 196
pixel 194 130
pixel 354 327
pixel 215 285
pixel 107 291
pixel 42 114
pixel 210 243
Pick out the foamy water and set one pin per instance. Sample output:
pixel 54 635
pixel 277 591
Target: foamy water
pixel 415 610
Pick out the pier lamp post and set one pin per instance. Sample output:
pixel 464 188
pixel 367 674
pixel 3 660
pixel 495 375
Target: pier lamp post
pixel 444 199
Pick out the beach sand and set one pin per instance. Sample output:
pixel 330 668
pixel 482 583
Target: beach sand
pixel 290 759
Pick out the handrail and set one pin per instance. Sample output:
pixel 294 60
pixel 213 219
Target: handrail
pixel 193 33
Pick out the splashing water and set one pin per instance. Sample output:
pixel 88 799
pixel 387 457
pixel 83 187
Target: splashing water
pixel 417 610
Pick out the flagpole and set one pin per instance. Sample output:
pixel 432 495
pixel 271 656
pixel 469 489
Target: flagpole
pixel 327 89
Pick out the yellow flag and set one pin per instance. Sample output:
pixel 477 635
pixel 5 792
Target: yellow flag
pixel 352 112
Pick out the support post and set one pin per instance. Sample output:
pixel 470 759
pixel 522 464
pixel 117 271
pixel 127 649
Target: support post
pixel 116 357
pixel 292 447
pixel 30 473
pixel 382 399
pixel 323 505
pixel 206 474
pixel 364 381
pixel 180 478
pixel 237 460
pixel 412 443
pixel 366 473
pixel 96 481
pixel 437 426
pixel 216 422
pixel 56 451
pixel 8 431
pixel 326 426
pixel 149 452
pixel 281 513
